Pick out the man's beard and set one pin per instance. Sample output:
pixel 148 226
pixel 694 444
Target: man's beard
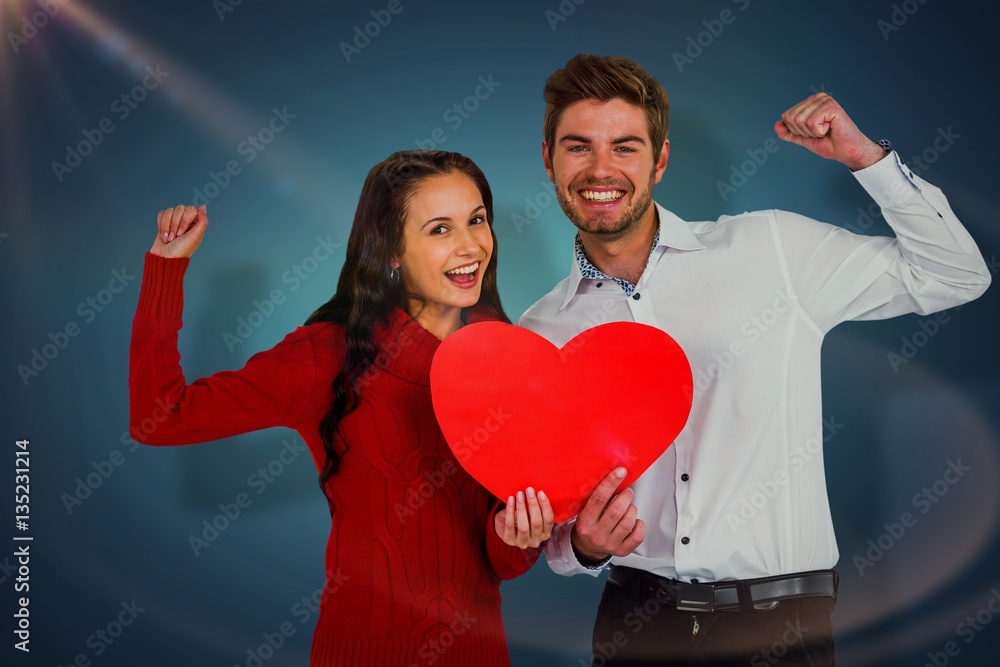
pixel 601 223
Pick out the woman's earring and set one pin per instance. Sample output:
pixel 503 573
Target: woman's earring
pixel 393 276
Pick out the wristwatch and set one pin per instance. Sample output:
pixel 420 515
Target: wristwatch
pixel 596 566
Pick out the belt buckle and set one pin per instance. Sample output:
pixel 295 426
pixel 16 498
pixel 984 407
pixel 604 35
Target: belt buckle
pixel 695 597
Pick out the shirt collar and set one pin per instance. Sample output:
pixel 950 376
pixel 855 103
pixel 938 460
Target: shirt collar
pixel 671 232
pixel 676 233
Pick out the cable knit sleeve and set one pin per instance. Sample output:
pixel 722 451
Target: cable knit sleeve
pixel 271 389
pixel 508 562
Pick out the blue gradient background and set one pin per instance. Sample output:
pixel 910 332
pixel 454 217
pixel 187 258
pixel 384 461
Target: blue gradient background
pixel 129 539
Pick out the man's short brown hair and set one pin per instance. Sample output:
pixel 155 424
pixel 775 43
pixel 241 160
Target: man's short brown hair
pixel 604 78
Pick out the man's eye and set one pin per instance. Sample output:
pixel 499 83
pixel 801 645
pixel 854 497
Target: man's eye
pixel 626 149
pixel 577 149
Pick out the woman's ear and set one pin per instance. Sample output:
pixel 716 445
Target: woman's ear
pixel 394 263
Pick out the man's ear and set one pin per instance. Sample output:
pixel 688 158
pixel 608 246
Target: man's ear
pixel 546 161
pixel 661 163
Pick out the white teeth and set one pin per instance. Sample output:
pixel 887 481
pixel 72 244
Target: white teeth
pixel 465 269
pixel 602 196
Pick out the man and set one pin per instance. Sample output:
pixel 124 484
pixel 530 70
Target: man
pixel 749 298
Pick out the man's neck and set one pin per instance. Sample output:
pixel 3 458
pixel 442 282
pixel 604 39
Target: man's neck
pixel 625 256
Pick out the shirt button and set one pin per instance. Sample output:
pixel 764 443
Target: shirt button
pixel 694 581
pixel 685 477
pixel 599 284
pixel 636 296
pixel 685 540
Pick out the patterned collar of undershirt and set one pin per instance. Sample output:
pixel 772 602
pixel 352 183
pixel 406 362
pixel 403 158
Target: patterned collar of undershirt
pixel 588 270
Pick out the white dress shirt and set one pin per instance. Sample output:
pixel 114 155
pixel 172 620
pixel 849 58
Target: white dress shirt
pixel 741 493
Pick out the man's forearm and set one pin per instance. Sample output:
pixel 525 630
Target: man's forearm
pixel 946 267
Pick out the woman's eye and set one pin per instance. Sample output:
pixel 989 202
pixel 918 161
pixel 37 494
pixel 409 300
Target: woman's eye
pixel 440 229
pixel 478 219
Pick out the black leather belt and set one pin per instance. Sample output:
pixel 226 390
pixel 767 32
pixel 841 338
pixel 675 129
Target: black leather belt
pixel 733 595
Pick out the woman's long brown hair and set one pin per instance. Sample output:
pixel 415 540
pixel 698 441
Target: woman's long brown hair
pixel 365 293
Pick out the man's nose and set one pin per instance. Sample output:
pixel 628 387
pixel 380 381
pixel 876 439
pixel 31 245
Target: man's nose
pixel 601 165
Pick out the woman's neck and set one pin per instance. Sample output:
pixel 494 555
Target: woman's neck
pixel 442 321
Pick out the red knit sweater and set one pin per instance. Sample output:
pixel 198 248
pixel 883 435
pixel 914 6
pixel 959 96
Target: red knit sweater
pixel 413 562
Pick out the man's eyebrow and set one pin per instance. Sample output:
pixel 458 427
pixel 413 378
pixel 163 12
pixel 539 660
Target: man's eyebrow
pixel 627 139
pixel 576 138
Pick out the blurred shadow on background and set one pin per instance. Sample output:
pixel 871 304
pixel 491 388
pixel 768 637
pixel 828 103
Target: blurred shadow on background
pixel 900 434
pixel 697 158
pixel 215 472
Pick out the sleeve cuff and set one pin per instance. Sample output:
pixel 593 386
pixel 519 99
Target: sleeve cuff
pixel 162 291
pixel 562 557
pixel 888 181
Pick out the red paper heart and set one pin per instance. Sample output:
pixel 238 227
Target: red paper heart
pixel 517 411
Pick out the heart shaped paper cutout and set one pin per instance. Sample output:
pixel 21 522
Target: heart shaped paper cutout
pixel 517 411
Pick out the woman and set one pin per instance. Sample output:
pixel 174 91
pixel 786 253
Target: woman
pixel 417 548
